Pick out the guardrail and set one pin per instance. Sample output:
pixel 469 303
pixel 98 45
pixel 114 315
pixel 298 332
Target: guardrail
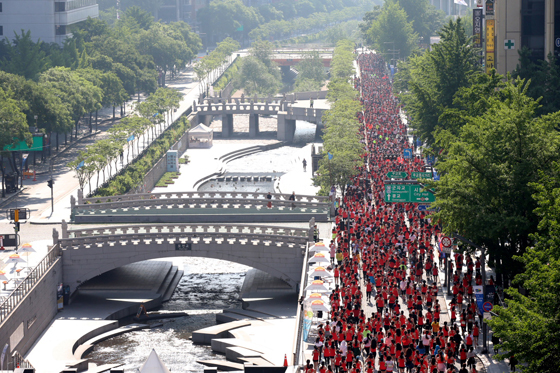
pixel 23 288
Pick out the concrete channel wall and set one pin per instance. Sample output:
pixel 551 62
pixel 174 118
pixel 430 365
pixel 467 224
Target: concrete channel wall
pixel 32 315
pixel 160 168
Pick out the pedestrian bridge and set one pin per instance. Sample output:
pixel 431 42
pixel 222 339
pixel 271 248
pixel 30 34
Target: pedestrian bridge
pixel 282 107
pixel 89 252
pixel 200 207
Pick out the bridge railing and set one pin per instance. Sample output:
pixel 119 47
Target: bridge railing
pixel 304 111
pixel 199 229
pixel 264 107
pixel 22 289
pixel 204 203
pixel 169 195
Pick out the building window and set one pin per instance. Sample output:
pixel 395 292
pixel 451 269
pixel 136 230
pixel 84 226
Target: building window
pixel 532 27
pixel 1 30
pixel 60 30
pixel 59 6
pixel 0 7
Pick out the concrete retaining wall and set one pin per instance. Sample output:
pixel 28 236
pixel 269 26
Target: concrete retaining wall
pixel 34 313
pixel 160 167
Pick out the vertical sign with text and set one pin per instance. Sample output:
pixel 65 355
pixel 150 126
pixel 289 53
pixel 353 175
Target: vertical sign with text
pixel 490 47
pixel 477 33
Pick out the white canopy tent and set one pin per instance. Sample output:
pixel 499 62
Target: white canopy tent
pixel 200 136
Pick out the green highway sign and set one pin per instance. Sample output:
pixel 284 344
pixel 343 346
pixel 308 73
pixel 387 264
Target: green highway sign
pixel 420 175
pixel 407 193
pixel 397 175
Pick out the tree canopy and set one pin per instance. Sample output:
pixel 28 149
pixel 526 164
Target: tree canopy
pixel 486 170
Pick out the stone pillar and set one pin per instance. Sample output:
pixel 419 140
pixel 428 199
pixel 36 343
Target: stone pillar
pixel 64 229
pixel 253 125
pixel 55 236
pixel 227 125
pixel 285 127
pixel 548 28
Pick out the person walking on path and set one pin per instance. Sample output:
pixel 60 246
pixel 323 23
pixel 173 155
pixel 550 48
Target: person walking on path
pixel 304 165
pixel 269 197
pixel 311 103
pixel 293 199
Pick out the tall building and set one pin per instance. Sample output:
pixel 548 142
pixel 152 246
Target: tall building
pixel 534 24
pixel 48 20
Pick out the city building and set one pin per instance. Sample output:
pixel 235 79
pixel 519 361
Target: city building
pixel 534 24
pixel 48 20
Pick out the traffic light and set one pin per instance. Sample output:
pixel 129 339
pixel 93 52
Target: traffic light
pixel 16 226
pixel 50 183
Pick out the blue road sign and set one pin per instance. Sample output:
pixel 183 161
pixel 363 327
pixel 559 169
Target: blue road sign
pixel 557 42
pixel 487 306
pixel 423 207
pixel 431 159
pixel 407 154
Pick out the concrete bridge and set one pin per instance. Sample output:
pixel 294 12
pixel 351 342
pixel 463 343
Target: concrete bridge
pixel 282 107
pixel 87 253
pixel 200 207
pixel 293 57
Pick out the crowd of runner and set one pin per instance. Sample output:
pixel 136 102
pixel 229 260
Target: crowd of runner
pixel 385 313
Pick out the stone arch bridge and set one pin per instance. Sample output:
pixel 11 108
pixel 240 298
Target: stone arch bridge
pixel 282 107
pixel 89 252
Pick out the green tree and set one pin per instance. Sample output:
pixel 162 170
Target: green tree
pixel 311 73
pixel 486 169
pixel 142 18
pixel 391 31
pixel 425 18
pixel 530 324
pixel 254 77
pixel 24 57
pixel 545 79
pixel 13 124
pixel 52 113
pixel 81 96
pixel 433 79
pixel 222 18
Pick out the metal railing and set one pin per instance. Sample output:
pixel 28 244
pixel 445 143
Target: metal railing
pixel 22 289
pixel 20 362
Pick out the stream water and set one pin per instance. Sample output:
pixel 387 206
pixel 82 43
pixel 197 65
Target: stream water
pixel 207 287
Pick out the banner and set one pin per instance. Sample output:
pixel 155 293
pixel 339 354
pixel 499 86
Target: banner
pixel 490 47
pixel 479 296
pixel 307 320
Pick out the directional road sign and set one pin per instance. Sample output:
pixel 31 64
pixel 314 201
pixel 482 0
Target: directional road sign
pixel 407 193
pixel 407 153
pixel 420 175
pixel 397 175
pixel 487 306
